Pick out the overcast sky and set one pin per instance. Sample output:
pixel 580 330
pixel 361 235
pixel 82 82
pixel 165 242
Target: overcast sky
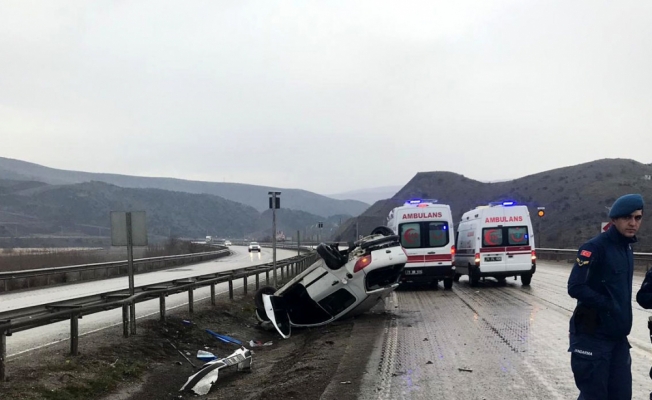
pixel 327 96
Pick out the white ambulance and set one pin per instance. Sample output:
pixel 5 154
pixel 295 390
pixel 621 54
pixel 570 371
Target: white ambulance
pixel 425 229
pixel 496 241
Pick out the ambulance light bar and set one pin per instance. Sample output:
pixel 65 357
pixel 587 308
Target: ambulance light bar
pixel 420 201
pixel 507 203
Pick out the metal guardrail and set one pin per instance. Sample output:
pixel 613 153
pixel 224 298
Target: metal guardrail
pixel 642 259
pixel 6 278
pixel 26 279
pixel 74 309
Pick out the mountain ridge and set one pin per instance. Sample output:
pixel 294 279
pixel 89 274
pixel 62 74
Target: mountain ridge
pixel 252 195
pixel 576 199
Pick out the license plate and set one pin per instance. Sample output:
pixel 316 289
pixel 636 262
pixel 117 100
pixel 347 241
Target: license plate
pixel 413 272
pixel 493 258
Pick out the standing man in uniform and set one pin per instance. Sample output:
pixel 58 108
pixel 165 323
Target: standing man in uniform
pixel 601 281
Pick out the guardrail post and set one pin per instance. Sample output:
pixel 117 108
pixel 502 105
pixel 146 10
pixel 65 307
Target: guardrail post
pixel 282 276
pixel 191 305
pixel 125 320
pixel 74 334
pixel 161 302
pixel 257 281
pixel 3 356
pixel 267 277
pixel 213 294
pixel 231 289
pixel 245 284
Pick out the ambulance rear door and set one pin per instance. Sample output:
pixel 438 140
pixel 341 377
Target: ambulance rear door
pixel 427 243
pixel 517 232
pixel 492 252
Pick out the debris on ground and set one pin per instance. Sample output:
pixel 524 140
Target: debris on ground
pixel 464 370
pixel 206 355
pixel 258 343
pixel 224 338
pixel 201 382
pixel 180 352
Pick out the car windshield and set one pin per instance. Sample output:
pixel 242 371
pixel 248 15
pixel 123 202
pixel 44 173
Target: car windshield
pixel 254 244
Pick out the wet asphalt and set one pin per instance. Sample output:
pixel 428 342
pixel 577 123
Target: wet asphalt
pixel 489 342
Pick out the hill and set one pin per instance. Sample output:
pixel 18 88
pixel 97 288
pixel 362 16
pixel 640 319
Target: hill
pixel 83 209
pixel 576 199
pixel 370 195
pixel 251 195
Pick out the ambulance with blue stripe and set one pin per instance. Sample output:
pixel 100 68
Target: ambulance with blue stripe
pixel 425 230
pixel 496 241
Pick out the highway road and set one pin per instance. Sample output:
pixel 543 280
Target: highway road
pixel 489 342
pixel 22 342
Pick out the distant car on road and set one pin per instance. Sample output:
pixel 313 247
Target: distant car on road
pixel 254 246
pixel 227 243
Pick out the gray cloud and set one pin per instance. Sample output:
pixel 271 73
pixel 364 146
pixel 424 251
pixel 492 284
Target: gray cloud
pixel 326 96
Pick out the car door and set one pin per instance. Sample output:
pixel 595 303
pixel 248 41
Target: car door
pixel 277 313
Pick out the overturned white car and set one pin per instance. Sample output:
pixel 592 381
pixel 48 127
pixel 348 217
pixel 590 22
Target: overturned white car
pixel 342 283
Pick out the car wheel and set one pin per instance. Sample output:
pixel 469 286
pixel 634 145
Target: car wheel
pixel 261 315
pixel 526 279
pixel 474 277
pixel 448 283
pixel 502 280
pixel 457 277
pixel 330 258
pixel 258 298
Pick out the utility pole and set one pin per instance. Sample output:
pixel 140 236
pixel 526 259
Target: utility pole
pixel 357 232
pixel 320 225
pixel 274 203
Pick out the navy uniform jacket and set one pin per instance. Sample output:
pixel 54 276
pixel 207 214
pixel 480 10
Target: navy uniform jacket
pixel 601 281
pixel 644 295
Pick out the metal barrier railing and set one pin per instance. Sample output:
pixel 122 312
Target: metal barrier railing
pixel 6 278
pixel 641 259
pixel 31 278
pixel 45 314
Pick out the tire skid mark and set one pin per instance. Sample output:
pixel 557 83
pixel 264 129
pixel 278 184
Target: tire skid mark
pixel 388 358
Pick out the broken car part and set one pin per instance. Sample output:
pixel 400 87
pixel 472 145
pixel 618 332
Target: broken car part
pixel 183 355
pixel 201 382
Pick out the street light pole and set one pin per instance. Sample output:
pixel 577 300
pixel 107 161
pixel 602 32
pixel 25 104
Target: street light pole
pixel 274 203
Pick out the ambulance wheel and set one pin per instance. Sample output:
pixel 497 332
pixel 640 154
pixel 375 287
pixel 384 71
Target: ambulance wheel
pixel 526 279
pixel 474 277
pixel 457 277
pixel 448 283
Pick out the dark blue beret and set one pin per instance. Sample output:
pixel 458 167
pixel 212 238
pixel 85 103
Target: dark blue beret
pixel 625 205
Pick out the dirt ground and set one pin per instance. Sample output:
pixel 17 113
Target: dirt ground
pixel 319 363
